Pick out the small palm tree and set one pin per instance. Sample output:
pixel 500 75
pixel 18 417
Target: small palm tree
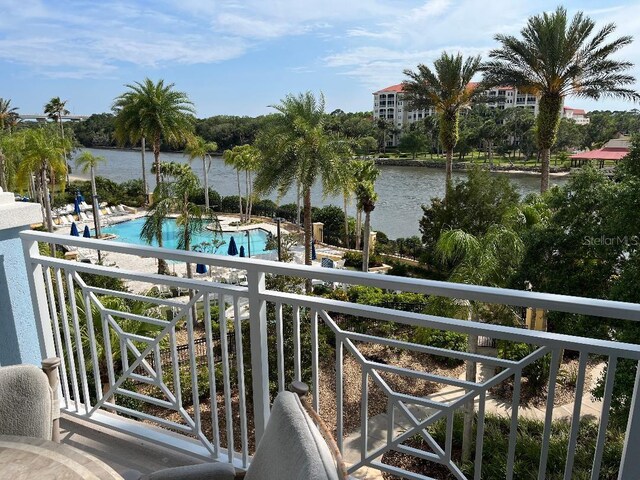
pixel 300 151
pixel 486 260
pixel 174 198
pixel 42 154
pixel 88 162
pixel 365 175
pixel 7 114
pixel 55 109
pixel 244 158
pixel 446 89
pixel 557 57
pixel 198 147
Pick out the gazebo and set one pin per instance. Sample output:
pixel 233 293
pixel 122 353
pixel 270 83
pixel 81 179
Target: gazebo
pixel 602 154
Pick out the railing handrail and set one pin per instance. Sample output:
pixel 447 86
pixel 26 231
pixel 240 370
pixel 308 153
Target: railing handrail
pixel 549 301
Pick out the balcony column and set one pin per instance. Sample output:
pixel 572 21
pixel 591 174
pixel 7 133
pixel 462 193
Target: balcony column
pixel 259 351
pixel 19 332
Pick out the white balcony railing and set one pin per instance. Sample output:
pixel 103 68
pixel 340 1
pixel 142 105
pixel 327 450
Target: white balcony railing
pixel 117 359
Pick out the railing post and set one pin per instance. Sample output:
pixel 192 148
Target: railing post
pixel 259 352
pixel 630 466
pixel 35 276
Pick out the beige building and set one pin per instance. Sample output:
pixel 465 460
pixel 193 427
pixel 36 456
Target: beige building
pixel 389 105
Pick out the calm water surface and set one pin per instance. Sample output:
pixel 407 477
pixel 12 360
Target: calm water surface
pixel 401 190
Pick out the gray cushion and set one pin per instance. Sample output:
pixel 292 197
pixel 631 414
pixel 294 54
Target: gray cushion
pixel 204 471
pixel 26 402
pixel 292 448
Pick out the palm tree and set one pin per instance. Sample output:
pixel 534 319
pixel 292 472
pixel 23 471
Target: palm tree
pixel 446 89
pixel 365 175
pixel 55 109
pixel 174 197
pixel 557 57
pixel 300 151
pixel 157 112
pixel 244 158
pixel 7 114
pixel 43 156
pixel 88 162
pixel 488 260
pixel 198 147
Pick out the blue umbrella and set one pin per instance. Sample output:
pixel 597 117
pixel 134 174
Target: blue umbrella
pixel 87 232
pixel 76 206
pixel 242 250
pixel 233 249
pixel 313 250
pixel 200 268
pixel 74 230
pixel 80 197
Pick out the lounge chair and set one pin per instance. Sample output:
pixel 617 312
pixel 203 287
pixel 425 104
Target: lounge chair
pixel 83 217
pixel 85 206
pixel 70 219
pixel 120 209
pixel 291 448
pixel 29 404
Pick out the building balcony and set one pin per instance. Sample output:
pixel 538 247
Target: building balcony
pixel 152 380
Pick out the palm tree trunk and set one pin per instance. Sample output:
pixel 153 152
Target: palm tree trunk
pixel 365 248
pixel 358 228
pixel 143 145
pixel 547 121
pixel 490 152
pixel 47 206
pixel 156 160
pixel 96 207
pixel 163 268
pixel 64 153
pixel 239 195
pixel 449 172
pixel 250 195
pixel 298 209
pixel 346 223
pixel 206 182
pixel 246 194
pixel 307 233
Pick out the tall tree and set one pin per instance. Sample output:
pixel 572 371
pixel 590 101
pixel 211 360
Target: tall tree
pixel 88 162
pixel 447 90
pixel 7 114
pixel 243 158
pixel 155 112
pixel 365 175
pixel 557 57
pixel 55 109
pixel 198 147
pixel 300 151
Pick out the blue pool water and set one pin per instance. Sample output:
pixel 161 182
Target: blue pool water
pixel 129 232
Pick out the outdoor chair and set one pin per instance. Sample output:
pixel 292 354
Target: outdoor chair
pixel 291 448
pixel 29 405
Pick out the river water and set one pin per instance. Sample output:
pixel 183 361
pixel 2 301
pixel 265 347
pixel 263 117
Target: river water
pixel 401 190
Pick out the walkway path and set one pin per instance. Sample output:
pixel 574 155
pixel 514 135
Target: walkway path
pixel 379 424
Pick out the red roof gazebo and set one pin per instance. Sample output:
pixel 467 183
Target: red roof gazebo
pixel 602 154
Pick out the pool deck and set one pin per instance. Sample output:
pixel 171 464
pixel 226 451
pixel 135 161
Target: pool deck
pixel 149 265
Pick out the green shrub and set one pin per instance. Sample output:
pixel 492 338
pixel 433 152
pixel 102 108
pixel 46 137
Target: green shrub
pixel 443 339
pixel 537 373
pixel 354 260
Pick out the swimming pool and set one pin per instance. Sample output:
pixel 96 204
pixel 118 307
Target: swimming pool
pixel 129 232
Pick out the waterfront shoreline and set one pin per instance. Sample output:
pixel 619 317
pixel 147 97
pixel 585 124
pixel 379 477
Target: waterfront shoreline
pixel 405 162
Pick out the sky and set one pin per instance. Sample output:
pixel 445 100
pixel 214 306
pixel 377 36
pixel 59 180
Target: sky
pixel 237 57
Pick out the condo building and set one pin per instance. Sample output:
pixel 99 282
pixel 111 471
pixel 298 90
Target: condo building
pixel 389 105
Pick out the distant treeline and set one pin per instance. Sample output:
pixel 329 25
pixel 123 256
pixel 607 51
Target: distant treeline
pixel 226 130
